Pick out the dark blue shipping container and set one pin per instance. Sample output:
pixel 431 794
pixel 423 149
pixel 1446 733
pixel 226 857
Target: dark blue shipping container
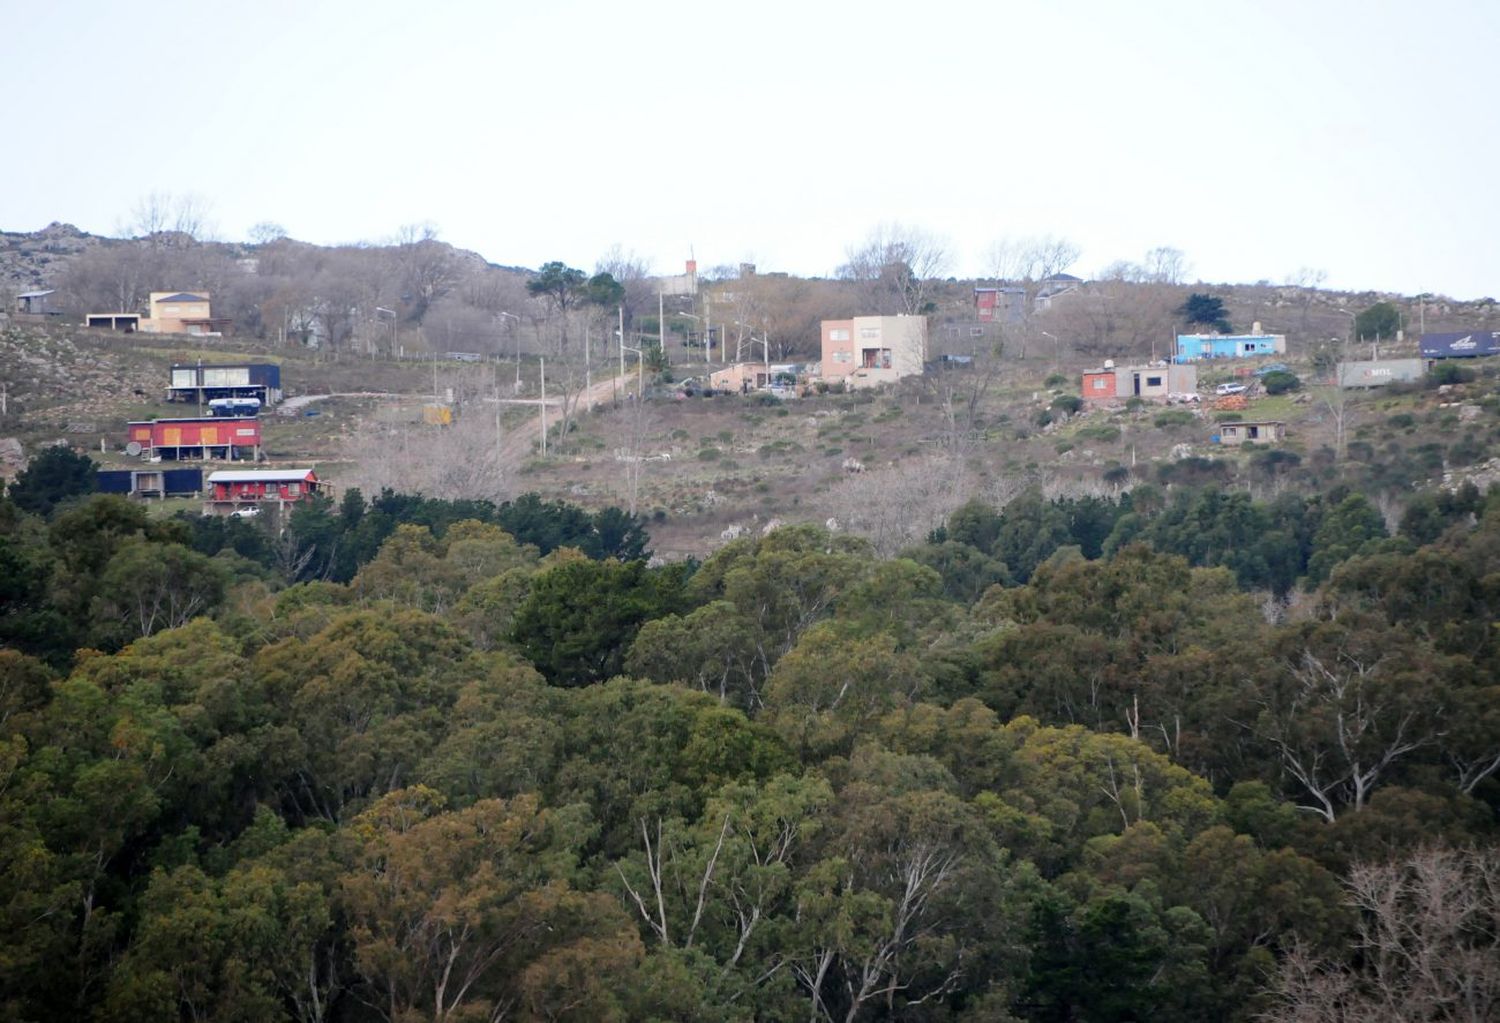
pixel 182 482
pixel 116 481
pixel 1460 344
pixel 266 374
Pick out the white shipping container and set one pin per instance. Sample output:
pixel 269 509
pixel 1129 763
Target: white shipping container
pixel 226 376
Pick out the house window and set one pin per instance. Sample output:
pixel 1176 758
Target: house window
pixel 869 331
pixel 1100 383
pixel 1153 381
pixel 1252 432
pixel 843 356
pixel 293 489
pixel 839 334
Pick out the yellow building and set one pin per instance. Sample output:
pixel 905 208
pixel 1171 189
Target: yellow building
pixel 182 312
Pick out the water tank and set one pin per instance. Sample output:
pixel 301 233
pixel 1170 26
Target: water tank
pixel 1255 327
pixel 1109 363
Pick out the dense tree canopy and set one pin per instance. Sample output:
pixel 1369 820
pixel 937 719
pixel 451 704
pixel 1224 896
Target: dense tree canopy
pixel 1177 755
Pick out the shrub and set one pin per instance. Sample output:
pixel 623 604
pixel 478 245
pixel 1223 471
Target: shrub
pixel 1055 380
pixel 1068 404
pixel 1173 418
pixel 1280 382
pixel 1449 373
pixel 1100 433
pixel 709 455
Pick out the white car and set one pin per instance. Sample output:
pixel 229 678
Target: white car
pixel 1231 389
pixel 247 512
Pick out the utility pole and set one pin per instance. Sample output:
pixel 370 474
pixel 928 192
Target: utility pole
pixel 588 387
pixel 544 404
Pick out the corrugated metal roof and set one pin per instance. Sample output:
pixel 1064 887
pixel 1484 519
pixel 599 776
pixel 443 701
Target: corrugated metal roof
pixel 262 476
pixel 37 294
pixel 182 296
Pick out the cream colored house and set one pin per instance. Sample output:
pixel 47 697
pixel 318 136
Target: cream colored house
pixel 181 312
pixel 867 351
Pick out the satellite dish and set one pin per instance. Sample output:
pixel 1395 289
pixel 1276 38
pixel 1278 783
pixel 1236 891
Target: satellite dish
pixel 133 448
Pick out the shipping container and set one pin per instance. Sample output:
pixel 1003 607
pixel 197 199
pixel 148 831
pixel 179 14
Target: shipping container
pixel 151 482
pixel 113 481
pixel 1460 344
pixel 209 437
pixel 200 383
pixel 1379 372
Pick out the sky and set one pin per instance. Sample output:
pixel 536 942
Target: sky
pixel 1356 137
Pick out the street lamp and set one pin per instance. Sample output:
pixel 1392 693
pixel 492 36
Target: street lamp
pixel 640 365
pixel 765 341
pixel 518 350
pixel 1056 350
pixel 392 314
pixel 707 336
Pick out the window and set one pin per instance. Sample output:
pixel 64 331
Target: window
pixel 976 332
pixel 869 331
pixel 838 334
pixel 843 356
pixel 1153 381
pixel 1100 383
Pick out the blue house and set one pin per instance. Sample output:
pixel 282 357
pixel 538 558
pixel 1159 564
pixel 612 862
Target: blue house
pixel 1192 347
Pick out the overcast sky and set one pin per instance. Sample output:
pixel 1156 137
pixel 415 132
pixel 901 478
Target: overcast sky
pixel 1361 137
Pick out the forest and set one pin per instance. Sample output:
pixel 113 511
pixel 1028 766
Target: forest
pixel 1175 755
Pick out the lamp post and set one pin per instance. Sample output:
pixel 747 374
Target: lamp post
pixel 640 367
pixel 392 314
pixel 1056 350
pixel 706 342
pixel 518 350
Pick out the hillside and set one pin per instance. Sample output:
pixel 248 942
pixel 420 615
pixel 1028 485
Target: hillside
pixel 889 465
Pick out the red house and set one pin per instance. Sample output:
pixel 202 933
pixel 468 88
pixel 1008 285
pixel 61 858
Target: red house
pixel 212 437
pixel 1099 384
pixel 230 491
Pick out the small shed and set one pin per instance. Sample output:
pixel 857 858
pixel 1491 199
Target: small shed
pixel 1099 384
pixel 37 303
pixel 127 323
pixel 1235 434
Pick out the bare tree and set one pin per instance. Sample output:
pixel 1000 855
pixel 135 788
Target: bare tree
pixel 1032 258
pixel 426 267
pixel 468 459
pixel 266 232
pixel 167 219
pixel 1165 265
pixel 897 507
pixel 1428 947
pixel 1307 280
pixel 897 265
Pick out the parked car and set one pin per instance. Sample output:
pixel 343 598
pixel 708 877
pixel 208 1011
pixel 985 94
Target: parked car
pixel 1275 367
pixel 1231 389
